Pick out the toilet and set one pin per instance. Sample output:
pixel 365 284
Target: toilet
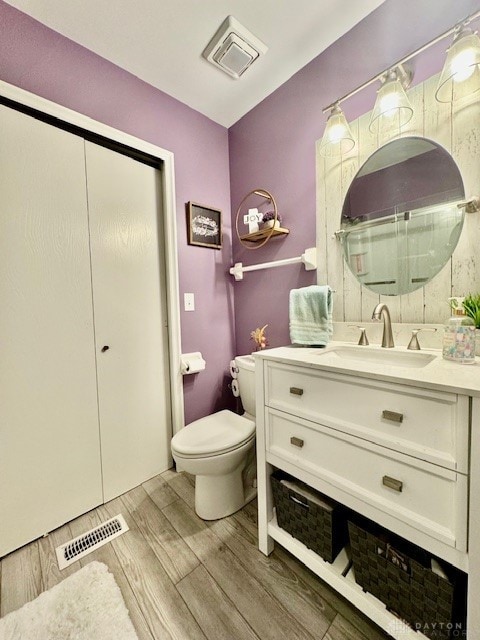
pixel 220 451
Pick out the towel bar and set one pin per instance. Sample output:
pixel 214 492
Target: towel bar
pixel 309 259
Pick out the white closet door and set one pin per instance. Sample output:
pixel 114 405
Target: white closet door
pixel 49 437
pixel 130 319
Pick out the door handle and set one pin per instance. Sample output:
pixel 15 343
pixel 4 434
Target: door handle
pixel 105 348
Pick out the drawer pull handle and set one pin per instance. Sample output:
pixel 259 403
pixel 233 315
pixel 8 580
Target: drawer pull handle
pixel 296 391
pixel 392 415
pixel 302 504
pixel 297 442
pixel 391 483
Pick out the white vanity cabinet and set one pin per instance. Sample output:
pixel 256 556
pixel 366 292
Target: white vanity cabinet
pixel 395 452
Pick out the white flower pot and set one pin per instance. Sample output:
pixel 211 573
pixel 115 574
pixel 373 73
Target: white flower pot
pixel 271 223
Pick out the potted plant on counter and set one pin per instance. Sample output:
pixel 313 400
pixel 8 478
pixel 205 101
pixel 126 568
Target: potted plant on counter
pixel 471 305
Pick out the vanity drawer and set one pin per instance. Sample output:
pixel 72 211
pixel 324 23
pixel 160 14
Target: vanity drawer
pixel 428 425
pixel 425 496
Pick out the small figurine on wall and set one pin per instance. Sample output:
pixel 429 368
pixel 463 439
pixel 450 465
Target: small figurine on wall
pixel 259 337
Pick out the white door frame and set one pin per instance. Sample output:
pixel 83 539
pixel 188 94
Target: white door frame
pixel 33 101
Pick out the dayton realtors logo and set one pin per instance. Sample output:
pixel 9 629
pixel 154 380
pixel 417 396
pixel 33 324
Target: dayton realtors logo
pixel 433 630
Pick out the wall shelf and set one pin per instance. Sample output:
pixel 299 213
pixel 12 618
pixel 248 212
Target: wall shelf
pixel 258 236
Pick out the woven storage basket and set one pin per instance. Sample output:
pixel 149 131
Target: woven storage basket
pixel 323 530
pixel 398 573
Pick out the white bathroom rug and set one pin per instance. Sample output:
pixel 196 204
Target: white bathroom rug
pixel 87 605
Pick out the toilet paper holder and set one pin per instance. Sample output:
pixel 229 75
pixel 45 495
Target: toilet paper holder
pixel 191 363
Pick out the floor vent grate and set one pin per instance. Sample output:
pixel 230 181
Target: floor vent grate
pixel 86 543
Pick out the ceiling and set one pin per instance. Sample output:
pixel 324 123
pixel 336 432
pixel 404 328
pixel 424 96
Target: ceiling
pixel 161 42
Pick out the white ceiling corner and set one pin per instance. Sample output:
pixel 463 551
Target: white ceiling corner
pixel 161 42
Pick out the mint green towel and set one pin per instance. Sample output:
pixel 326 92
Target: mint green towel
pixel 311 315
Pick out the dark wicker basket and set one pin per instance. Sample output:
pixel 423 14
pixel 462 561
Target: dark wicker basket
pixel 324 531
pixel 398 573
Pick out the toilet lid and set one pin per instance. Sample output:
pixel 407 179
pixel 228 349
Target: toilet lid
pixel 214 434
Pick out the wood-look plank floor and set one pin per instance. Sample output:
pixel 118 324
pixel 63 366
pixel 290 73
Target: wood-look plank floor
pixel 186 579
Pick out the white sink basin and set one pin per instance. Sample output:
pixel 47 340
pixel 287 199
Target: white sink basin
pixel 380 356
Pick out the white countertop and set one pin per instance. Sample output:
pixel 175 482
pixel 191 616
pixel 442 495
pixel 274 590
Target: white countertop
pixel 439 374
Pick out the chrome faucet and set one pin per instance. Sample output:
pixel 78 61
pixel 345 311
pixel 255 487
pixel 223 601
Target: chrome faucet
pixel 381 311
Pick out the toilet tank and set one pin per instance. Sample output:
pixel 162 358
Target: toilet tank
pixel 246 382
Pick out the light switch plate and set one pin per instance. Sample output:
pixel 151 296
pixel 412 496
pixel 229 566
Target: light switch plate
pixel 189 301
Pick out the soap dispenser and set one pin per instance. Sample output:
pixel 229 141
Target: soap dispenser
pixel 459 335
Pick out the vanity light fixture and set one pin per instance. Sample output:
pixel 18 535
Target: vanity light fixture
pixel 392 108
pixel 337 138
pixel 461 72
pixel 460 77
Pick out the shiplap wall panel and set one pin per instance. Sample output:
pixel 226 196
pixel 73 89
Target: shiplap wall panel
pixel 458 130
pixel 367 143
pixel 333 172
pixel 438 126
pixel 466 148
pixel 412 305
pixel 321 226
pixel 384 136
pixel 351 286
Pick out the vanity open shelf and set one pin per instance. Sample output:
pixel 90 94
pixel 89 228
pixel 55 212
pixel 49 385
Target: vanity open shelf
pixel 340 575
pixel 341 427
pixel 261 234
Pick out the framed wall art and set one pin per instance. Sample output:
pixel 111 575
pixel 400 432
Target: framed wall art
pixel 204 226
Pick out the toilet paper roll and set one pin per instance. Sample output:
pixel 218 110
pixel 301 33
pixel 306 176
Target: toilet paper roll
pixel 233 369
pixel 192 363
pixel 235 389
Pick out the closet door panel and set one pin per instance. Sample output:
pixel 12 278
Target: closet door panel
pixel 130 319
pixel 49 439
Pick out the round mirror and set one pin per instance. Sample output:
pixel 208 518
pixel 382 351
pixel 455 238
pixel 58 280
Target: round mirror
pixel 400 219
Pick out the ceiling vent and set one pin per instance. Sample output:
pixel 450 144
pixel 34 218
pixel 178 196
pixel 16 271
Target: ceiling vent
pixel 233 48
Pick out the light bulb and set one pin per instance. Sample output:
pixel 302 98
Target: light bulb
pixel 336 133
pixel 392 107
pixel 460 76
pixel 389 103
pixel 337 138
pixel 462 65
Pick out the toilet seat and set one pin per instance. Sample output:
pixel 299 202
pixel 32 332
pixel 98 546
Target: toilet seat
pixel 213 435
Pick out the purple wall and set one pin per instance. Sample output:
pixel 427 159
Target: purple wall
pixel 40 60
pixel 273 146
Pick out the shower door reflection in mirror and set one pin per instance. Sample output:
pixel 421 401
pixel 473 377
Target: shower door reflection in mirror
pixel 401 218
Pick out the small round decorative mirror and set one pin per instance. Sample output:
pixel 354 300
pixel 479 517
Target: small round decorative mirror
pixel 401 218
